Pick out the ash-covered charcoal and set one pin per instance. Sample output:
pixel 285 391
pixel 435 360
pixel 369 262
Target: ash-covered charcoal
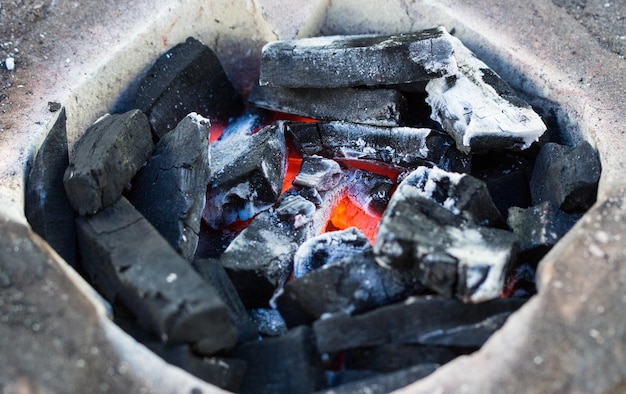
pixel 244 125
pixel 418 320
pixel 449 254
pixel 260 258
pixel 287 364
pixel 400 146
pixel 246 176
pixel 392 357
pixel 329 248
pixel 370 60
pixel 319 173
pixel 379 107
pixel 540 227
pixel 268 322
pixel 129 262
pixel 566 176
pixel 479 109
pixel 212 271
pixel 351 285
pixel 370 191
pixel 105 159
pixel 170 189
pixel 384 383
pixel 226 373
pixel 187 78
pixel 46 205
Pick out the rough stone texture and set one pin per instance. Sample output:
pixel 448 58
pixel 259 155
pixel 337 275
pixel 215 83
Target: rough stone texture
pixel 105 159
pixel 170 189
pixel 188 78
pixel 47 208
pixel 378 107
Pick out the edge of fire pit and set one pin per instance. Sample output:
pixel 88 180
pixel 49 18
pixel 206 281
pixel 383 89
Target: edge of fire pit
pixel 567 338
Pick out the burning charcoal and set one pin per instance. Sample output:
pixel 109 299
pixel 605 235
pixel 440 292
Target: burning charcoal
pixel 226 373
pixel 187 78
pixel 105 159
pixel 328 248
pixel 170 189
pixel 540 227
pixel 268 322
pixel 450 254
pixel 385 383
pixel 566 176
pixel 129 261
pixel 392 357
pixel 247 176
pixel 479 109
pixel 370 191
pixel 288 364
pixel 521 283
pixel 343 61
pixel 47 207
pixel 245 125
pixel 319 173
pixel 418 320
pixel 379 107
pixel 260 259
pixel 212 271
pixel 401 146
pixel 351 285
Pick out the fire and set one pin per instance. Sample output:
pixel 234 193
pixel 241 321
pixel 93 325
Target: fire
pixel 347 214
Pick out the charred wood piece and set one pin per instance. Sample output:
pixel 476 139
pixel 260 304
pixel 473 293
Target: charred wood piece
pixel 392 357
pixel 318 173
pixel 386 382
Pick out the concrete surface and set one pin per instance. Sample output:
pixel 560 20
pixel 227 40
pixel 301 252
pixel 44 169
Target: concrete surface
pixel 54 333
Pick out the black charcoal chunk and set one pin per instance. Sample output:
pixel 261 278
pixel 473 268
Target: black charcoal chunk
pixel 212 271
pixel 268 322
pixel 105 159
pixel 46 205
pixel 400 146
pixel 343 61
pixel 392 357
pixel 226 373
pixel 450 254
pixel 509 189
pixel 260 258
pixel 170 190
pixel 187 78
pixel 480 110
pixel 418 320
pixel 329 248
pixel 370 191
pixel 288 364
pixel 566 176
pixel 351 285
pixel 540 227
pixel 128 261
pixel 246 176
pixel 384 383
pixel 318 173
pixel 379 107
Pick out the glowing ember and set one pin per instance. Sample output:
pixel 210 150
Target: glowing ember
pixel 348 214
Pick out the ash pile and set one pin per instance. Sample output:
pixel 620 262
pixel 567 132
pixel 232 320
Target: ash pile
pixel 378 208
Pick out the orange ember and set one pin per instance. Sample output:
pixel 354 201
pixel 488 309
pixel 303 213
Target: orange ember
pixel 347 214
pixel 216 131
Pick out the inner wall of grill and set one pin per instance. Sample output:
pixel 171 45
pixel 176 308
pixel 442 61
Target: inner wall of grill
pixel 238 31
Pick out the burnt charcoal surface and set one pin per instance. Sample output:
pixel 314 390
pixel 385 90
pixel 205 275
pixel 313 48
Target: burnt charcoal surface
pixel 370 191
pixel 392 357
pixel 350 285
pixel 318 173
pixel 130 262
pixel 246 176
pixel 343 61
pixel 566 176
pixel 105 159
pixel 384 383
pixel 401 146
pixel 268 322
pixel 47 208
pixel 419 320
pixel 379 107
pixel 170 190
pixel 288 364
pixel 260 258
pixel 187 78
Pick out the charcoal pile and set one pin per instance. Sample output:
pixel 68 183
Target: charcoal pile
pixel 376 209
